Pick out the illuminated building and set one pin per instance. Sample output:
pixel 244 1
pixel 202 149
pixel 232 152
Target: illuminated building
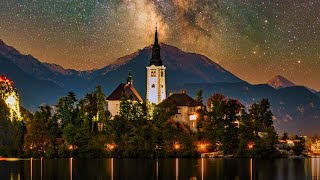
pixel 156 77
pixel 10 96
pixel 122 90
pixel 315 148
pixel 186 108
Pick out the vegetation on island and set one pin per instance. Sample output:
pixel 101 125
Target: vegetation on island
pixel 84 128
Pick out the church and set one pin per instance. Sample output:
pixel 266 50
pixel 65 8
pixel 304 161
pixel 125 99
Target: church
pixel 156 91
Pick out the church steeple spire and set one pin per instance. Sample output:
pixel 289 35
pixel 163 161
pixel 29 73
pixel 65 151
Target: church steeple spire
pixel 156 36
pixel 129 79
pixel 156 59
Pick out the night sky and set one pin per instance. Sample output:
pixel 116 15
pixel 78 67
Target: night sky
pixel 254 39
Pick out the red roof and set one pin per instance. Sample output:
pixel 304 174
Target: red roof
pixel 181 99
pixel 125 89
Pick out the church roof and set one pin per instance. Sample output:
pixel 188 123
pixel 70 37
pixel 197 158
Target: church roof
pixel 125 89
pixel 156 58
pixel 181 99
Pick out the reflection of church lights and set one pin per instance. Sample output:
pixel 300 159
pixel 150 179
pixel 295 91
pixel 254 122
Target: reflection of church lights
pixel 315 168
pixel 31 168
pixel 111 168
pixel 177 168
pixel 157 166
pixel 71 167
pixel 41 166
pixel 202 168
pixel 250 168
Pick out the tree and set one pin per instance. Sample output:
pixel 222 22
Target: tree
pixel 65 109
pixel 42 132
pixel 69 133
pixel 261 115
pixel 299 145
pixel 199 95
pixel 221 125
pixel 285 136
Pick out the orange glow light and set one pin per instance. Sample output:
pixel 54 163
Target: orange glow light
pixel 111 146
pixel 250 145
pixel 176 146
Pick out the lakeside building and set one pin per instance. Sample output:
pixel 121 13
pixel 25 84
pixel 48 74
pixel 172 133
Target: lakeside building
pixel 187 108
pixel 315 148
pixel 128 90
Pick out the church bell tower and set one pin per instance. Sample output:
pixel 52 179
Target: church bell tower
pixel 156 77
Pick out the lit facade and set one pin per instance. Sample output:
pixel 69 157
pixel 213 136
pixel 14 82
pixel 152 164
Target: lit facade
pixel 114 99
pixel 11 97
pixel 156 76
pixel 187 108
pixel 315 148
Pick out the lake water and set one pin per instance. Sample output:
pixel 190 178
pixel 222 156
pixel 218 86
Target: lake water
pixel 189 169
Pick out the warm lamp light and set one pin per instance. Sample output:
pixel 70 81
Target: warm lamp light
pixel 193 117
pixel 176 146
pixel 111 146
pixel 250 145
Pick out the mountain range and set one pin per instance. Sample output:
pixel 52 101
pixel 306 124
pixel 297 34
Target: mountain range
pixel 296 108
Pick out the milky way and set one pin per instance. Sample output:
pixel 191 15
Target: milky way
pixel 253 39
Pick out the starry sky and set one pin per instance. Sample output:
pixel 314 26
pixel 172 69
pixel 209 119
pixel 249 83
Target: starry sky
pixel 254 39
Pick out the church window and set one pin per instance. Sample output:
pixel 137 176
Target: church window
pixel 162 73
pixel 162 86
pixel 153 86
pixel 153 73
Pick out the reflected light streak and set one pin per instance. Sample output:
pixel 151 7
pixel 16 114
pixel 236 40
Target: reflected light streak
pixel 202 168
pixel 318 167
pixel 250 168
pixel 31 168
pixel 111 168
pixel 157 166
pixel 71 167
pixel 41 167
pixel 177 168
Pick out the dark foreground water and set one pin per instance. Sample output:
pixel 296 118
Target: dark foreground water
pixel 190 169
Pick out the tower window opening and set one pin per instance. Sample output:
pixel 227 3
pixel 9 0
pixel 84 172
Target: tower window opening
pixel 153 86
pixel 153 73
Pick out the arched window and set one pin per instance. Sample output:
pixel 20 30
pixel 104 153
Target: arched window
pixel 153 86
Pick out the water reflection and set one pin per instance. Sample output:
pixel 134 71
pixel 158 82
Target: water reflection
pixel 315 168
pixel 193 169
